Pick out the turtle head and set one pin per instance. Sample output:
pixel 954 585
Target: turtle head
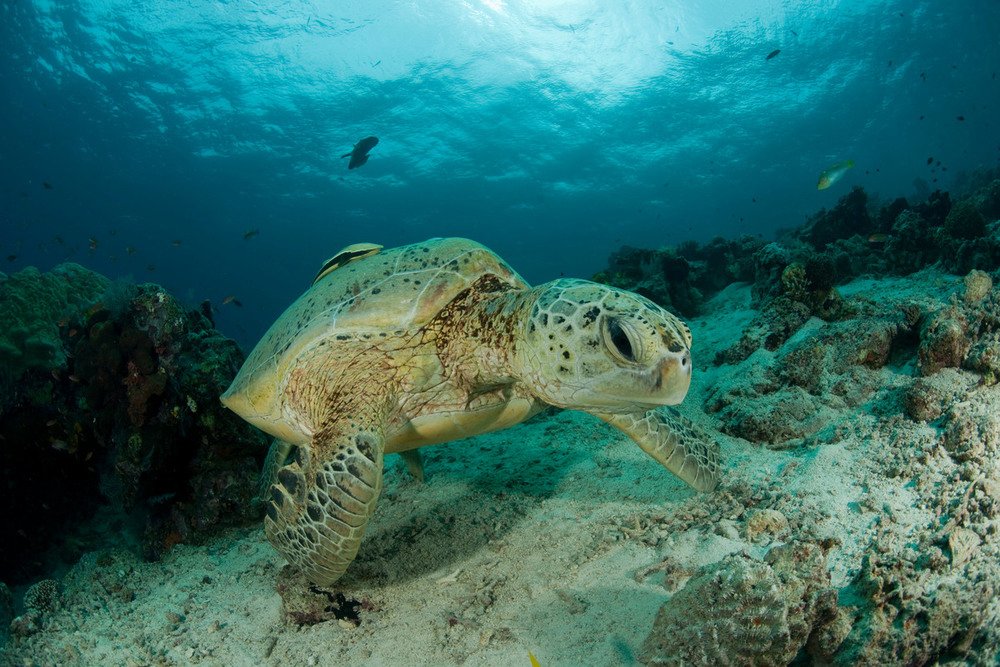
pixel 592 347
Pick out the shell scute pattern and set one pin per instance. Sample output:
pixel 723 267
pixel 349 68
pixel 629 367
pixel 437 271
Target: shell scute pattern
pixel 400 287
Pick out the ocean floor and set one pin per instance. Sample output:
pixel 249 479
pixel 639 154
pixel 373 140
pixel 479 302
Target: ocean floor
pixel 560 537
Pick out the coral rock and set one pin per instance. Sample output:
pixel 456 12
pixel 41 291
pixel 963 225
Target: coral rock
pixel 744 612
pixel 42 596
pixel 977 285
pixel 766 523
pixel 944 341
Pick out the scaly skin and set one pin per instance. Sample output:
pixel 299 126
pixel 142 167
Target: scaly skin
pixel 494 353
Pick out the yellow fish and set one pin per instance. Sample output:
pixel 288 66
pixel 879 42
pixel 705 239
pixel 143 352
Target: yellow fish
pixel 533 659
pixel 833 174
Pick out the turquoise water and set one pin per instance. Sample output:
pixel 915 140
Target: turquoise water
pixel 149 140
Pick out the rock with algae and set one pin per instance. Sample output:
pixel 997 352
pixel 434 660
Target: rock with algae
pixel 122 409
pixel 31 306
pixel 739 611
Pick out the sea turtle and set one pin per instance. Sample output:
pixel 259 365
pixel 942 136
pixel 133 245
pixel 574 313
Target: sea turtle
pixel 436 341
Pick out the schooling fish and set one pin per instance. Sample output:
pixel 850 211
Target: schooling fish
pixel 359 154
pixel 833 174
pixel 772 54
pixel 250 233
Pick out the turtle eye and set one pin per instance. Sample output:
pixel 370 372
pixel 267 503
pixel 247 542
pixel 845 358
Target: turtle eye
pixel 618 339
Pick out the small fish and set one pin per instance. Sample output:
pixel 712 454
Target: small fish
pixel 878 238
pixel 250 233
pixel 92 243
pixel 60 446
pixel 359 154
pixel 46 185
pixel 930 160
pixel 959 118
pixel 11 258
pixel 772 54
pixel 176 243
pixel 130 250
pixel 151 267
pixel 833 174
pixel 231 299
pixel 533 659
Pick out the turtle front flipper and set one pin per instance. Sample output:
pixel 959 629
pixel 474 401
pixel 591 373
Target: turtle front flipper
pixel 321 502
pixel 679 445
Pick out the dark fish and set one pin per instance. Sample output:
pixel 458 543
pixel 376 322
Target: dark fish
pixel 250 233
pixel 176 243
pixel 11 258
pixel 359 154
pixel 930 160
pixel 959 118
pixel 92 243
pixel 345 256
pixel 46 185
pixel 773 54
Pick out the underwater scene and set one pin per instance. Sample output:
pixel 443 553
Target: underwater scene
pixel 500 333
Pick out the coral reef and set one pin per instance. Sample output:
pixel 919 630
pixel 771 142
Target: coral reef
pixel 123 409
pixel 32 306
pixel 681 278
pixel 805 265
pixel 42 596
pixel 743 612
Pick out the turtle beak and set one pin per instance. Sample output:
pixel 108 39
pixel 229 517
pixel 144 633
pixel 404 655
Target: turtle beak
pixel 672 377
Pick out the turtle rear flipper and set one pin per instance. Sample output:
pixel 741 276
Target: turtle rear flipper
pixel 320 504
pixel 676 443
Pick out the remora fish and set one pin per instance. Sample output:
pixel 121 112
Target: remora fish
pixel 833 174
pixel 359 154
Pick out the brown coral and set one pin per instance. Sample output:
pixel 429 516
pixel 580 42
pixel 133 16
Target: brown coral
pixel 744 612
pixel 944 341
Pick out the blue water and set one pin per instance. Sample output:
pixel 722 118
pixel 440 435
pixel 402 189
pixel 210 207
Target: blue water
pixel 553 131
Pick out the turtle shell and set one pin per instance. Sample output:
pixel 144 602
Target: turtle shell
pixel 394 291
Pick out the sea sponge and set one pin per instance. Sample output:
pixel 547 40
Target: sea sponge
pixel 924 400
pixel 744 612
pixel 977 285
pixel 984 357
pixel 794 283
pixel 944 341
pixel 972 429
pixel 964 221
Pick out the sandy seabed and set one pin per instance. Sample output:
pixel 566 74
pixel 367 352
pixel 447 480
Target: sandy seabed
pixel 562 538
